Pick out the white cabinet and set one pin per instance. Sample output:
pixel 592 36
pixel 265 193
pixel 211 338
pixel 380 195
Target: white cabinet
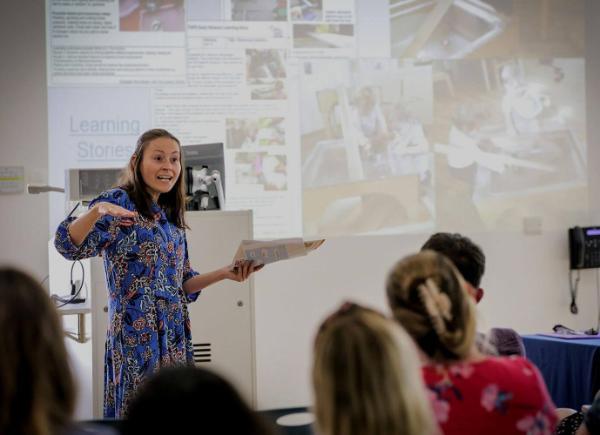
pixel 223 316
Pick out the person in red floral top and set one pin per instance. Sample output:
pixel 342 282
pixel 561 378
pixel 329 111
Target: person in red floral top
pixel 471 393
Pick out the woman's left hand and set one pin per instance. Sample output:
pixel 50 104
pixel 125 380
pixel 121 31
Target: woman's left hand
pixel 242 271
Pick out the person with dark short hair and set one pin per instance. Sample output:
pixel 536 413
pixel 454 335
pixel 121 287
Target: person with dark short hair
pixel 197 401
pixel 469 259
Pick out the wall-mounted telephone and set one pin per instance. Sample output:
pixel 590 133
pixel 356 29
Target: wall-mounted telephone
pixel 584 247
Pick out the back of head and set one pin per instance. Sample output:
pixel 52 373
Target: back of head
pixel 592 416
pixel 167 402
pixel 468 258
pixel 37 393
pixel 366 377
pixel 427 297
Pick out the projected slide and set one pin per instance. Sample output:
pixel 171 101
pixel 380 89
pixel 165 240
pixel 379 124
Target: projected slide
pixel 339 117
pixel 509 137
pixel 367 164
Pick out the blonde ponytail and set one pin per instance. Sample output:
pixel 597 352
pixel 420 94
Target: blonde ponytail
pixel 427 296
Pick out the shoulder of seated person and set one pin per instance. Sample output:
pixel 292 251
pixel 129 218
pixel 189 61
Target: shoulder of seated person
pixel 508 359
pixel 514 363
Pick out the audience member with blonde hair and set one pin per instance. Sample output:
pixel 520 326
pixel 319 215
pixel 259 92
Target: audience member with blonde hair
pixel 471 393
pixel 366 377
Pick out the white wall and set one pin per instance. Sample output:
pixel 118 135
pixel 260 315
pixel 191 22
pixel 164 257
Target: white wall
pixel 24 137
pixel 526 285
pixel 526 281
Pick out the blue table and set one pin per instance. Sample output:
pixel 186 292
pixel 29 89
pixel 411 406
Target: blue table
pixel 571 368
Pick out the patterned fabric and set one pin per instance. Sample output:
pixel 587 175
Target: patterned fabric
pixel 569 425
pixel 145 265
pixel 498 395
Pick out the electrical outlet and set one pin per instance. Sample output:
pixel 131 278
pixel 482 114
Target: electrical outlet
pixel 76 285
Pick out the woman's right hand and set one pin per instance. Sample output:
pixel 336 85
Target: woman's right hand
pixel 125 216
pixel 81 227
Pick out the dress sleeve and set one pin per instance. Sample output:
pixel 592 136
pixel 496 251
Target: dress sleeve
pixel 103 233
pixel 188 272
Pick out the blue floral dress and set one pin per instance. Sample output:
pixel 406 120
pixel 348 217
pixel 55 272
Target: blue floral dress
pixel 145 265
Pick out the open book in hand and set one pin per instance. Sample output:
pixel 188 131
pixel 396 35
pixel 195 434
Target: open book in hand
pixel 270 251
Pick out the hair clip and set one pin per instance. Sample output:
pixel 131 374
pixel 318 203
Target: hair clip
pixel 437 304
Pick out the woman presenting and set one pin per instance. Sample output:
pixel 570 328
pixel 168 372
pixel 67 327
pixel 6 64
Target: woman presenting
pixel 139 229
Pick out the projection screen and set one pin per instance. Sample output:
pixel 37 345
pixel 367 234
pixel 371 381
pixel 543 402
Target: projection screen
pixel 339 117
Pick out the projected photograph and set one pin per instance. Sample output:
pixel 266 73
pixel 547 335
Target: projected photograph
pixel 306 10
pixel 323 35
pixel 261 168
pixel 151 16
pixel 509 134
pixel 259 10
pixel 268 90
pixel 454 29
pixel 248 133
pixel 264 65
pixel 265 74
pixel 367 164
pixel 547 28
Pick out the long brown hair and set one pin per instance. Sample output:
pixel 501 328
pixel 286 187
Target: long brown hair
pixel 366 377
pixel 37 391
pixel 173 202
pixel 427 296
